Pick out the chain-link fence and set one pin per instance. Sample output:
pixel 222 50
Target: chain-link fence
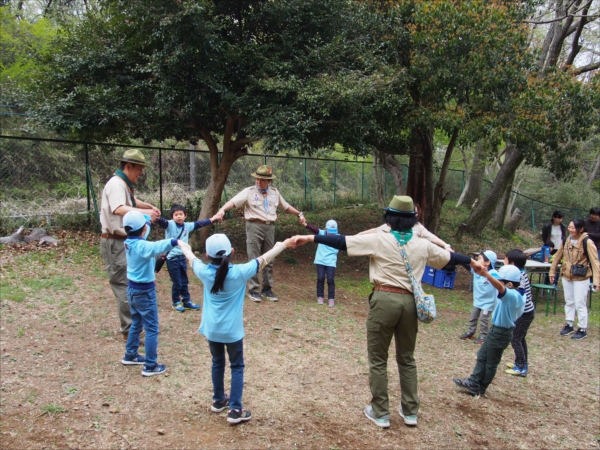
pixel 43 179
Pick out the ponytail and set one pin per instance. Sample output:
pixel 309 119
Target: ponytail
pixel 222 272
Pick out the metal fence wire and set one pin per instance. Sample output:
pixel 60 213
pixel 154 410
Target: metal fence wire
pixel 41 179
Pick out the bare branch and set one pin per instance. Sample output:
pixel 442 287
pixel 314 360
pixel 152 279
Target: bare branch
pixel 588 68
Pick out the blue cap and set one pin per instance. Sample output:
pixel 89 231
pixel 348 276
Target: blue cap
pixel 136 220
pixel 508 272
pixel 217 243
pixel 491 256
pixel 331 226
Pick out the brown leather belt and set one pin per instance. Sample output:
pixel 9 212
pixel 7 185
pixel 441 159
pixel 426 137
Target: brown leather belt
pixel 113 236
pixel 394 290
pixel 264 222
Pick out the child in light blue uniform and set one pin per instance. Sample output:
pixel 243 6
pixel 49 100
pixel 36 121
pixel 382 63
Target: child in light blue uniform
pixel 326 261
pixel 484 298
pixel 223 316
pixel 141 291
pixel 509 309
pixel 177 228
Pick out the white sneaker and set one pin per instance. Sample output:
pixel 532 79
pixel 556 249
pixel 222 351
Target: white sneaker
pixel 411 421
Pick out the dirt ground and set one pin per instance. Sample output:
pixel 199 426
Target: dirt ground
pixel 306 383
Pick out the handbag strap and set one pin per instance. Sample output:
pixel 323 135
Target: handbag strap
pixel 416 284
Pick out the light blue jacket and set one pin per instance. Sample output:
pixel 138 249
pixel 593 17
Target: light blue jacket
pixel 326 256
pixel 485 295
pixel 509 309
pixel 140 257
pixel 172 231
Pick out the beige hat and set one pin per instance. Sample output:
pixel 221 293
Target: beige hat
pixel 264 172
pixel 134 156
pixel 401 205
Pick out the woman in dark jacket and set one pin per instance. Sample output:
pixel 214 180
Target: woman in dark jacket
pixel 551 231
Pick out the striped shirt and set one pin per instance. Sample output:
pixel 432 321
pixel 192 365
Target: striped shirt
pixel 526 286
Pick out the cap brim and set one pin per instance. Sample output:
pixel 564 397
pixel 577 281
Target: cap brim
pixel 263 177
pixel 400 213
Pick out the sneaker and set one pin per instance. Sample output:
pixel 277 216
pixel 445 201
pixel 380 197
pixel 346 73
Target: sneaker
pixel 191 305
pixel 238 415
pixel 320 300
pixel 511 365
pixel 467 335
pixel 269 295
pixel 411 421
pixel 156 370
pixel 383 421
pixel 254 296
pixel 219 406
pixel 517 371
pixel 567 330
pixel 133 360
pixel 331 302
pixel 178 307
pixel 464 383
pixel 479 341
pixel 581 334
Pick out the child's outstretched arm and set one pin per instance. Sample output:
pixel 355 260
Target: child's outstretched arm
pixel 268 257
pixel 187 251
pixel 163 223
pixel 312 228
pixel 481 270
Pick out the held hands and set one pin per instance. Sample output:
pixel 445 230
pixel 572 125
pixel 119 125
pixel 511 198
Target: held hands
pixel 478 268
pixel 302 239
pixel 216 218
pixel 184 245
pixel 154 213
pixel 303 221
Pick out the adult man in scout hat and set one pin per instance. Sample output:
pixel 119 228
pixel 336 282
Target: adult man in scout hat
pixel 117 200
pixel 260 203
pixel 392 310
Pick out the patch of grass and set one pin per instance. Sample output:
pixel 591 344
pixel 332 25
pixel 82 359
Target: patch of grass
pixel 12 293
pixel 56 283
pixel 52 408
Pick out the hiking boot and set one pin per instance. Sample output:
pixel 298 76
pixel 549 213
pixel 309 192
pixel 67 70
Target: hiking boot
pixel 269 295
pixel 331 303
pixel 581 334
pixel 254 296
pixel 479 341
pixel 467 335
pixel 411 421
pixel 133 360
pixel 191 305
pixel 238 415
pixel 320 300
pixel 383 421
pixel 156 370
pixel 219 406
pixel 567 330
pixel 178 307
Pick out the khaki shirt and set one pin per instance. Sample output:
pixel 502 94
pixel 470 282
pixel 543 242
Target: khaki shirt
pixel 253 203
pixel 386 266
pixel 116 193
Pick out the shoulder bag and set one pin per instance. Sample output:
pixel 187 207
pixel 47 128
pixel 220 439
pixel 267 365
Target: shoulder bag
pixel 162 258
pixel 425 303
pixel 579 270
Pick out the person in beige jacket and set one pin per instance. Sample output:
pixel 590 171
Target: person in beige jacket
pixel 573 253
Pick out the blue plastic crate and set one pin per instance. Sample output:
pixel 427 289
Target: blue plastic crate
pixel 428 275
pixel 444 279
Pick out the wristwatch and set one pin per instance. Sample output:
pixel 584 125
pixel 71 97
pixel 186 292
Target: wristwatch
pixel 448 247
pixel 300 214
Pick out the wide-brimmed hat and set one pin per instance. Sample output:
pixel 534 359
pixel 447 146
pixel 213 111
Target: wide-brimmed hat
pixel 401 205
pixel 134 156
pixel 264 172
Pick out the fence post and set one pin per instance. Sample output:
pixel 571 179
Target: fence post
pixel 305 180
pixel 265 159
pixel 87 182
pixel 160 180
pixel 362 182
pixel 334 180
pixel 463 181
pixel 532 216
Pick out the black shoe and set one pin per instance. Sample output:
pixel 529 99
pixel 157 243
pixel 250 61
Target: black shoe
pixel 254 296
pixel 238 415
pixel 467 335
pixel 219 406
pixel 269 295
pixel 479 341
pixel 464 383
pixel 567 330
pixel 581 334
pixel 475 391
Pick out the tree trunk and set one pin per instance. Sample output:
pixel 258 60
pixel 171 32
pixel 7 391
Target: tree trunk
pixel 439 195
pixel 473 190
pixel 393 166
pixel 482 214
pixel 377 175
pixel 219 171
pixel 420 173
pixel 500 212
pixel 594 172
pixel 467 176
pixel 514 221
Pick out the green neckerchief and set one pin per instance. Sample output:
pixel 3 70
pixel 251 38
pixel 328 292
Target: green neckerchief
pixel 403 236
pixel 119 173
